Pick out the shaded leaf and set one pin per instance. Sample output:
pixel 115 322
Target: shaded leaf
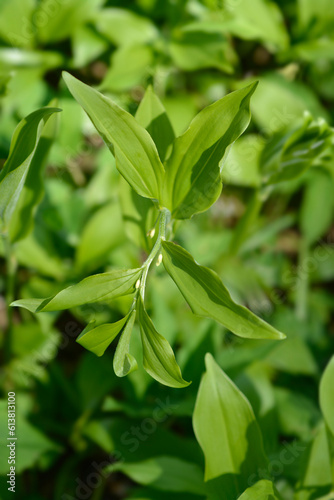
pixel 327 395
pixel 14 173
pixel 164 473
pixel 33 189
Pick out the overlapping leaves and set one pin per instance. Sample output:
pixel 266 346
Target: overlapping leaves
pixel 189 183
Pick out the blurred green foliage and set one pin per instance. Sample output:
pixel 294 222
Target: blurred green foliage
pixel 83 432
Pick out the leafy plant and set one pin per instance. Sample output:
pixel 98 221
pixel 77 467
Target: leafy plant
pixel 188 182
pixel 84 228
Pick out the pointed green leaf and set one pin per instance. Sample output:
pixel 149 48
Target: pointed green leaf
pixel 124 362
pixel 136 155
pixel 193 181
pixel 226 429
pixel 327 395
pixel 152 115
pixel 158 356
pixel 164 473
pixel 22 149
pixel 262 490
pixel 100 287
pixel 99 338
pixel 290 152
pixel 316 471
pixel 33 189
pixel 208 297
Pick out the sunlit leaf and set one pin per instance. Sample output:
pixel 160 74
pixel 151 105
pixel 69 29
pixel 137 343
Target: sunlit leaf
pixel 135 152
pixel 207 296
pixel 100 287
pixel 193 181
pixel 226 429
pixel 124 362
pixel 152 115
pixel 99 338
pixel 158 356
pixel 262 490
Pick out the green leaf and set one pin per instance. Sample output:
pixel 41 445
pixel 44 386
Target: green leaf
pixel 316 475
pixel 164 473
pixel 152 115
pixel 208 297
pixel 130 66
pixel 99 338
pixel 289 153
pixel 136 155
pixel 316 218
pixel 280 102
pixel 12 27
pixel 100 287
pixel 124 27
pixel 193 180
pixel 124 362
pixel 34 444
pixel 327 395
pixel 158 356
pixel 194 47
pixel 22 150
pixel 33 189
pixel 58 22
pixel 260 20
pixel 226 429
pixel 105 227
pixel 262 490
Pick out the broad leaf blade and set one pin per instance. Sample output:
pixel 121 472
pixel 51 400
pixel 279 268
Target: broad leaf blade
pixel 327 395
pixel 33 189
pixel 152 115
pixel 164 473
pixel 193 181
pixel 226 430
pixel 124 363
pixel 100 287
pixel 290 152
pixel 262 490
pixel 14 173
pixel 99 338
pixel 208 297
pixel 316 468
pixel 158 356
pixel 135 152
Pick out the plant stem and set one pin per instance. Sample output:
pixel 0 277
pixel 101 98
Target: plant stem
pixel 164 216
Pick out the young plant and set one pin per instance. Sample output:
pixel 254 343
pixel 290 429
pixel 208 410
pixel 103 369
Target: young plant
pixel 182 177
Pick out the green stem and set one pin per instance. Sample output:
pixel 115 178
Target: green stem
pixel 164 216
pixel 303 282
